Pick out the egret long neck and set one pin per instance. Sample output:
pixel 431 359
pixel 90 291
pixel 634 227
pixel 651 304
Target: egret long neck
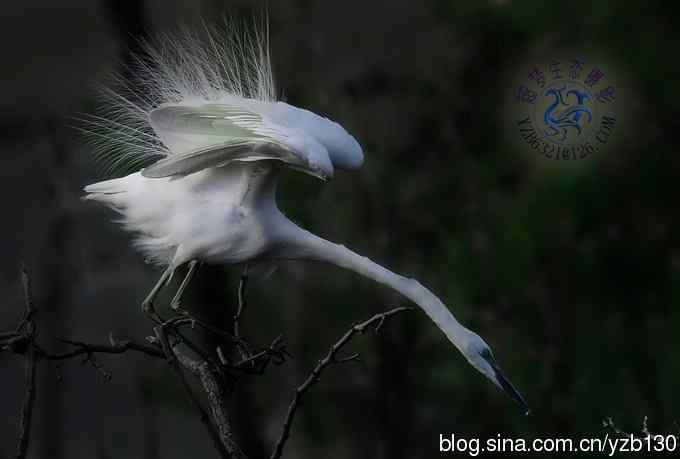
pixel 306 245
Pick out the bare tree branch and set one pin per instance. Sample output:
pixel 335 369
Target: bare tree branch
pixel 330 359
pixel 210 380
pixel 213 369
pixel 175 365
pixel 209 375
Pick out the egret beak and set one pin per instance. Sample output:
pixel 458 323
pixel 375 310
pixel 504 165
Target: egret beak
pixel 510 389
pixel 505 384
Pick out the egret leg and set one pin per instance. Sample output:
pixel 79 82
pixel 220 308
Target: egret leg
pixel 175 303
pixel 147 304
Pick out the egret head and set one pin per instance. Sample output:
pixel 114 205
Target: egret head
pixel 480 356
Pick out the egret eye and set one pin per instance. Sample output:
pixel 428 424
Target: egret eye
pixel 487 355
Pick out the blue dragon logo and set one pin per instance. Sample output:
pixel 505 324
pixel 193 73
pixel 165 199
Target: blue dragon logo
pixel 560 120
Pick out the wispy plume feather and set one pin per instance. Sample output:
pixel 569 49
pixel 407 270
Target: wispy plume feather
pixel 186 66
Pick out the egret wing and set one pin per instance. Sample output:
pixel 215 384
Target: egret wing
pixel 214 135
pixel 209 121
pixel 221 155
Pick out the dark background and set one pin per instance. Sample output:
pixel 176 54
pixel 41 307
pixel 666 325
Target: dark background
pixel 572 274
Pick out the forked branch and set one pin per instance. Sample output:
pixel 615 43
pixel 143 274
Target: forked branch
pixel 330 358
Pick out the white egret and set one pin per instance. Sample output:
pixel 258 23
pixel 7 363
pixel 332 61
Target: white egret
pixel 209 108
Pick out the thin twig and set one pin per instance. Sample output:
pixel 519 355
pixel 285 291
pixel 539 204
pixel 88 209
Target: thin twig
pixel 645 428
pixel 241 299
pixel 608 424
pixel 89 349
pixel 28 298
pixel 330 359
pixel 257 363
pixel 188 318
pixel 28 329
pixel 27 407
pixel 17 343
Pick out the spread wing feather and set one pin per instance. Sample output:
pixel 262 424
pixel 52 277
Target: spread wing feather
pixel 221 155
pixel 214 135
pixel 212 120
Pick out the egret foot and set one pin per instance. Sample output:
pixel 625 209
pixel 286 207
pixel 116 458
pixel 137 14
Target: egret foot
pixel 150 311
